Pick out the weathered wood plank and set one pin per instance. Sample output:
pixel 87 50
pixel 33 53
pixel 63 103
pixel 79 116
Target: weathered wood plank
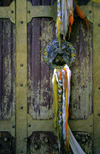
pixel 40 96
pixel 6 51
pixel 7 75
pixel 13 65
pixel 34 66
pixel 82 74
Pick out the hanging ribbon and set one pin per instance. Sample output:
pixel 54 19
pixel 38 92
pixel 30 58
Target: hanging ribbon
pixel 55 102
pixel 61 81
pixel 60 104
pixel 81 15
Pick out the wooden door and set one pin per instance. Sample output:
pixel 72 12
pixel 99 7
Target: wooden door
pixel 26 92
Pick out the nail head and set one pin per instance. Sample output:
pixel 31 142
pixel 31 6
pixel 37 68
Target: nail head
pixel 21 107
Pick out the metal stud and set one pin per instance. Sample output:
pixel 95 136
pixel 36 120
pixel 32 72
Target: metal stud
pixel 21 84
pixel 83 139
pixel 46 139
pixel 5 139
pixel 99 26
pixel 21 65
pixel 13 126
pixel 28 11
pixel 36 145
pixel 90 11
pixel 99 114
pixel 29 125
pixel 21 107
pixel 21 22
pixel 90 125
pixel 12 11
pixel 25 139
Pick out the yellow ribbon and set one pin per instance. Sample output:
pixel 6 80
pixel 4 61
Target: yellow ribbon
pixel 59 22
pixel 55 103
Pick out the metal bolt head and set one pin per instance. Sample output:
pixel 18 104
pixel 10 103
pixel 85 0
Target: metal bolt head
pixel 29 125
pixel 21 65
pixel 46 139
pixel 83 139
pixel 12 11
pixel 90 11
pixel 25 139
pixel 21 107
pixel 36 145
pixel 21 22
pixel 21 84
pixel 90 125
pixel 28 11
pixel 5 139
pixel 99 26
pixel 13 126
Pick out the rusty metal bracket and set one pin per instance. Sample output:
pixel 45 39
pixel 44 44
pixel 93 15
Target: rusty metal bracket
pixel 8 12
pixel 41 11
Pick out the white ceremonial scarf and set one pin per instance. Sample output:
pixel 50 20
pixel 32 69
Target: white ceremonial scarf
pixel 72 141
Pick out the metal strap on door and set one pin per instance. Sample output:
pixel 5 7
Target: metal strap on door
pixel 21 15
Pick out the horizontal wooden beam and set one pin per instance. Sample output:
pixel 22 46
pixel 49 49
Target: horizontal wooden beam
pixel 82 125
pixel 48 125
pixel 8 126
pixel 41 11
pixel 32 11
pixel 8 12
